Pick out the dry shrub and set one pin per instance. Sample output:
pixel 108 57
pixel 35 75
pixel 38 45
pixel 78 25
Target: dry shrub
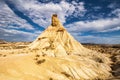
pixel 97 59
pixel 43 55
pixel 37 55
pixel 50 78
pixel 40 61
pixel 4 55
pixel 0 54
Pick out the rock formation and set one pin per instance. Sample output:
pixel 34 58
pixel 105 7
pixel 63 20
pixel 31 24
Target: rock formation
pixel 58 56
pixel 55 41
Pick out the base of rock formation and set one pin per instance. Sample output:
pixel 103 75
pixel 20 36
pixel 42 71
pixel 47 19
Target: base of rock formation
pixel 54 55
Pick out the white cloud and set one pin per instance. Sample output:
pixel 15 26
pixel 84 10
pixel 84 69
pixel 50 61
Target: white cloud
pixel 41 12
pixel 112 5
pixel 96 8
pixel 96 25
pixel 116 12
pixel 99 39
pixel 113 29
pixel 9 20
pixel 16 35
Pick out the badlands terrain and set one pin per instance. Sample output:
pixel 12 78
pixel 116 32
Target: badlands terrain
pixel 56 55
pixel 112 50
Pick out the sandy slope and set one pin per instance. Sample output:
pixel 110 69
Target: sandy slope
pixel 54 55
pixel 29 67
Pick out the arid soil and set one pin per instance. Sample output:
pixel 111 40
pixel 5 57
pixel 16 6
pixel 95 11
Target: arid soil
pixel 58 57
pixel 114 51
pixel 4 45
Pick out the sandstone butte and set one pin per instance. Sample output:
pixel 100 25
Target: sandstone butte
pixel 54 55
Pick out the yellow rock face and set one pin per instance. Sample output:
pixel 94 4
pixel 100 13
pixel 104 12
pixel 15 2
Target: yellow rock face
pixel 55 55
pixel 57 41
pixel 55 21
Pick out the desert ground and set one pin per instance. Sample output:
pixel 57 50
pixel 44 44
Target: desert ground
pixel 112 50
pixel 56 55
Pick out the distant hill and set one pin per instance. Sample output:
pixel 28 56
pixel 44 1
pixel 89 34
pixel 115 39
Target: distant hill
pixel 54 55
pixel 2 41
pixel 103 45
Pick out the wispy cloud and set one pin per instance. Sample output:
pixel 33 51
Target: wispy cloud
pixel 113 29
pixel 99 39
pixel 9 20
pixel 16 35
pixel 96 25
pixel 96 8
pixel 41 12
pixel 116 12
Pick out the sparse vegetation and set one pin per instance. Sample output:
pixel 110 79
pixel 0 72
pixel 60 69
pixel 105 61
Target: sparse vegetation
pixel 98 60
pixel 43 54
pixel 40 61
pixel 37 55
pixel 4 55
pixel 13 45
pixel 114 51
pixel 50 78
pixel 88 65
pixel 104 48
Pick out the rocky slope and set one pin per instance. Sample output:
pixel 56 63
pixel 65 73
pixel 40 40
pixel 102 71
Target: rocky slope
pixel 2 41
pixel 114 51
pixel 54 55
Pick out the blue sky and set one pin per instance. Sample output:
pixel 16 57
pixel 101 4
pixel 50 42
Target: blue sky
pixel 89 21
